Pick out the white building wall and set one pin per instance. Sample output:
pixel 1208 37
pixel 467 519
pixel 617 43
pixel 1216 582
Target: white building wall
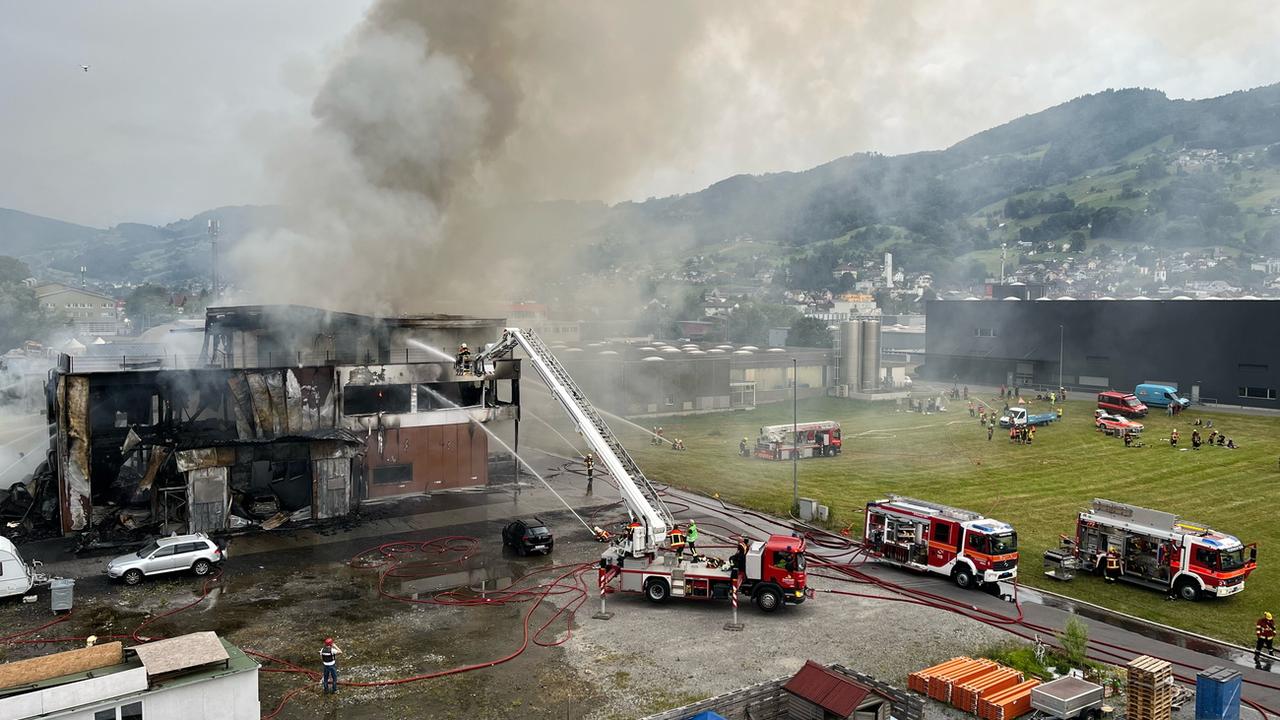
pixel 227 697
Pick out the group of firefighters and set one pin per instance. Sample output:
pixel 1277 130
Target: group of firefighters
pixel 1215 438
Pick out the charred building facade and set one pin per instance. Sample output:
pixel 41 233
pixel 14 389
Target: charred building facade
pixel 1220 351
pixel 289 413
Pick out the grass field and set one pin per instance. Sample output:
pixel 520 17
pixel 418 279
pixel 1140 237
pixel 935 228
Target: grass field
pixel 944 457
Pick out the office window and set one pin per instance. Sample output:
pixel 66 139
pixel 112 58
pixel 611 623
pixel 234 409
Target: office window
pixel 1258 393
pixel 132 711
pixel 1097 358
pixel 108 714
pixel 1253 367
pixel 984 332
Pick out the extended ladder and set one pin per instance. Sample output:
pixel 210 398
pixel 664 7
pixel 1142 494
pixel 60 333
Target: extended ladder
pixel 638 492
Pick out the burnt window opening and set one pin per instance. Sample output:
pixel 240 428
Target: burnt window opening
pixel 439 396
pixel 393 475
pixel 373 399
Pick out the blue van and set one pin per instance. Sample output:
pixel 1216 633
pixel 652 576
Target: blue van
pixel 1159 395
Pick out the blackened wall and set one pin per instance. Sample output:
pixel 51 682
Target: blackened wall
pixel 1222 346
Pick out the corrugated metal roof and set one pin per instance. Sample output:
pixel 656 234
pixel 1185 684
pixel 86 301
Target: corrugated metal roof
pixel 827 689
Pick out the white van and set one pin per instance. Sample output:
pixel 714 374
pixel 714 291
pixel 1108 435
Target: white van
pixel 16 576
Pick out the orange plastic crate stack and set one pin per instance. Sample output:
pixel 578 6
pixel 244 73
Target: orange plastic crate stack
pixel 919 680
pixel 965 695
pixel 1009 703
pixel 942 684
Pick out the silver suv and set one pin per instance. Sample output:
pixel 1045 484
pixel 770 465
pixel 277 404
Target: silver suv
pixel 194 552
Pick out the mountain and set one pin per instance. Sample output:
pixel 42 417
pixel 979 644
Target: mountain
pixel 172 254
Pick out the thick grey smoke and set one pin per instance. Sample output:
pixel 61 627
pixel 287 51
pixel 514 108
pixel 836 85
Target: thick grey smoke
pixel 440 124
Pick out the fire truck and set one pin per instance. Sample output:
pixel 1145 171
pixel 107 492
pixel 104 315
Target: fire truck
pixel 1155 549
pixel 805 440
pixel 925 536
pixel 640 558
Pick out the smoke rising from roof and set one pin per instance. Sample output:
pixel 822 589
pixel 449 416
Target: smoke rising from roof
pixel 441 124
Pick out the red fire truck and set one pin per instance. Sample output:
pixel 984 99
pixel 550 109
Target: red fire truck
pixel 1155 549
pixel 805 440
pixel 964 545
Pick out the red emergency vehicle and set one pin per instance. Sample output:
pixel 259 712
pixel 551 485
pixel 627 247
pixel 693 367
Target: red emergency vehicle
pixel 804 440
pixel 1119 403
pixel 966 546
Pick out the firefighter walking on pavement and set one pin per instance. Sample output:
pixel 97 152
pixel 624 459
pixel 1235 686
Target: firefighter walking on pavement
pixel 1266 632
pixel 590 462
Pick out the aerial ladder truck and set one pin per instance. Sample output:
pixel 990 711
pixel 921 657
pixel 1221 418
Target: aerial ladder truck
pixel 769 572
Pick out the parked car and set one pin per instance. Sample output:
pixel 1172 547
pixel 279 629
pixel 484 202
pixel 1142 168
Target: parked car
pixel 194 552
pixel 1119 403
pixel 526 536
pixel 1115 424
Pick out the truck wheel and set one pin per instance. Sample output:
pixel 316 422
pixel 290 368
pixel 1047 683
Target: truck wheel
pixel 132 577
pixel 1187 590
pixel 963 577
pixel 657 591
pixel 769 598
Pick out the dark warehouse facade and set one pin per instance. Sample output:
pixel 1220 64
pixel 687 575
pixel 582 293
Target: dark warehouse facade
pixel 1224 351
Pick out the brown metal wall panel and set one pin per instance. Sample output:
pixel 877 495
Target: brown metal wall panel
pixel 479 474
pixel 442 456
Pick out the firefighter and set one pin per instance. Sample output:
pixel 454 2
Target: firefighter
pixel 462 361
pixel 991 429
pixel 1053 398
pixel 972 409
pixel 693 536
pixel 1213 435
pixel 676 539
pixel 1195 439
pixel 1128 438
pixel 1173 438
pixel 1059 412
pixel 1031 434
pixel 739 559
pixel 1266 632
pixel 590 462
pixel 1112 566
pixel 329 661
pixel 742 447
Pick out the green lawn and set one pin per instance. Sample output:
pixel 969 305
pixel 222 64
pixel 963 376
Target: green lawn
pixel 946 458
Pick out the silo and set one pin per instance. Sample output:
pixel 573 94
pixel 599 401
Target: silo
pixel 850 352
pixel 870 375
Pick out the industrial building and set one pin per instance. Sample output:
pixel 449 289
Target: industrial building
pixel 1220 351
pixel 289 413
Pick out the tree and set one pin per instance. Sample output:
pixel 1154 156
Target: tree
pixel 748 325
pixel 149 305
pixel 1074 639
pixel 809 332
pixel 845 283
pixel 1077 241
pixel 21 317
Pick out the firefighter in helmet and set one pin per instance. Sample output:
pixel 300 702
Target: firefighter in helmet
pixel 1266 633
pixel 462 361
pixel 676 540
pixel 742 447
pixel 590 462
pixel 1112 571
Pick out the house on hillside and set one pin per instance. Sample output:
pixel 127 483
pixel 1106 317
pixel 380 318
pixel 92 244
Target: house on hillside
pixel 92 312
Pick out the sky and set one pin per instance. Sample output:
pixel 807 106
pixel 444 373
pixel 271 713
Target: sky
pixel 185 103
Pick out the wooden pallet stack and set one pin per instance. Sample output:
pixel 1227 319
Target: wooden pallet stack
pixel 1150 693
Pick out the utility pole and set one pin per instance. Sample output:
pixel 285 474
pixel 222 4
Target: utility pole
pixel 214 226
pixel 1060 336
pixel 795 439
pixel 1002 249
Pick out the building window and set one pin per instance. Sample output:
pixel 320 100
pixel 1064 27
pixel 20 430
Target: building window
pixel 670 401
pixel 1253 367
pixel 1258 393
pixel 1097 358
pixel 132 711
pixel 393 475
pixel 372 399
pixel 984 332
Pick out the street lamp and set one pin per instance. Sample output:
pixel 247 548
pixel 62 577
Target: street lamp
pixel 1060 336
pixel 795 438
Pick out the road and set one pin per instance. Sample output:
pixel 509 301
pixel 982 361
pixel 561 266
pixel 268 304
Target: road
pixel 1116 640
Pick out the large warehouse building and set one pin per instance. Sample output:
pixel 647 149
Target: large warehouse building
pixel 1222 351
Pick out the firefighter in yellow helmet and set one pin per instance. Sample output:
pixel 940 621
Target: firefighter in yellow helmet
pixel 1113 566
pixel 1266 632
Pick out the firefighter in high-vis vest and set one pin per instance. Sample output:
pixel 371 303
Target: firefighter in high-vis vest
pixel 1112 571
pixel 676 540
pixel 1266 632
pixel 693 536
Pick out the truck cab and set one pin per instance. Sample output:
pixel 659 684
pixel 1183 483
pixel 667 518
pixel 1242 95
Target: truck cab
pixel 16 576
pixel 1118 403
pixel 1161 396
pixel 1215 566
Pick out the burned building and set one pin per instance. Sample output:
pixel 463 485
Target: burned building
pixel 289 413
